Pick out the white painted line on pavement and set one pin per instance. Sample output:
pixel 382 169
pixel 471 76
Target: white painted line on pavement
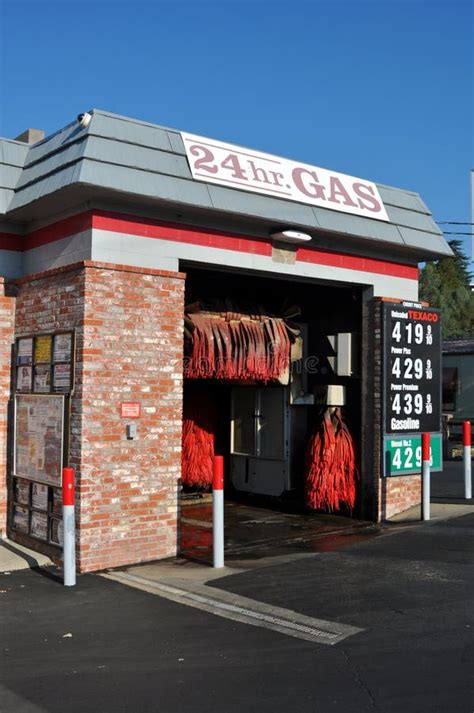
pixel 243 609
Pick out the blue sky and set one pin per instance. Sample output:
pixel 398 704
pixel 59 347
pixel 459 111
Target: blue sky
pixel 379 89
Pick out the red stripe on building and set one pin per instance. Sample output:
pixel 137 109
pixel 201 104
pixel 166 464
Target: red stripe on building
pixel 49 234
pixel 352 262
pixel 57 231
pixel 169 231
pixel 133 225
pixel 12 241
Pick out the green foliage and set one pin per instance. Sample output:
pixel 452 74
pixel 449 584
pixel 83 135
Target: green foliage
pixel 446 284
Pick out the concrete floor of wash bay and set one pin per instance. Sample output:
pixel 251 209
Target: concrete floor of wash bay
pixel 255 533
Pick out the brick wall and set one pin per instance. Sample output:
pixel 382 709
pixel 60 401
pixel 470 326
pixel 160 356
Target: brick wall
pixel 128 324
pixel 7 312
pixel 399 493
pixel 380 498
pixel 395 494
pixel 368 499
pixel 133 340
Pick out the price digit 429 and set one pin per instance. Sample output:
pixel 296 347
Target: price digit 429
pixel 407 458
pixel 407 368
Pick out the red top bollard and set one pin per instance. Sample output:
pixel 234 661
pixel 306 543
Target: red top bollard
pixel 218 476
pixel 68 486
pixel 425 446
pixel 466 433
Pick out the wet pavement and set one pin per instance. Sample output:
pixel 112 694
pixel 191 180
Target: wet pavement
pixel 255 532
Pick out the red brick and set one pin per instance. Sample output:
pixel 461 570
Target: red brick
pixel 7 316
pixel 119 353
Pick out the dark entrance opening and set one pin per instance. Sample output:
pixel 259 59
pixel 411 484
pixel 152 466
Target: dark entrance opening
pixel 263 428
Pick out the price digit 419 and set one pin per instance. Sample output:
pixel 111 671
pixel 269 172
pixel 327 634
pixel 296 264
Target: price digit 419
pixel 413 333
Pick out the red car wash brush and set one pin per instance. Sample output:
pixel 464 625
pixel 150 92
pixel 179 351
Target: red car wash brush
pixel 237 344
pixel 331 472
pixel 197 457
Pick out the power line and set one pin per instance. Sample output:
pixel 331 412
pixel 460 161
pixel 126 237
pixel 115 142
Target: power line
pixel 450 232
pixel 451 222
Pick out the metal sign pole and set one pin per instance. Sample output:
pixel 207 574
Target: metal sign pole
pixel 69 528
pixel 218 512
pixel 425 485
pixel 466 432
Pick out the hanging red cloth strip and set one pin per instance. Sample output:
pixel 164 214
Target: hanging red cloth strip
pixel 331 473
pixel 199 428
pixel 236 346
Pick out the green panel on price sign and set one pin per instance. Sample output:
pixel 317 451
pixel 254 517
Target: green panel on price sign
pixel 403 454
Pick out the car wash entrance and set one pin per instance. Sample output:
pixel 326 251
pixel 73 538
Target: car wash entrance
pixel 287 269
pixel 272 383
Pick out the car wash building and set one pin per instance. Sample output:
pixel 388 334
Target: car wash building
pixel 166 297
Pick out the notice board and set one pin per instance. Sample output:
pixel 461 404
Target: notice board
pixel 39 438
pixel 44 363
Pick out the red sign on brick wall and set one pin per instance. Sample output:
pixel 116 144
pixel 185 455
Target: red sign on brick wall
pixel 130 409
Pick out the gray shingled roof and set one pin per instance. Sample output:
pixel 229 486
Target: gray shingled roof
pixel 12 159
pixel 118 156
pixel 458 346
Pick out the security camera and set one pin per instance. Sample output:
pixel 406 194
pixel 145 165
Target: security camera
pixel 84 119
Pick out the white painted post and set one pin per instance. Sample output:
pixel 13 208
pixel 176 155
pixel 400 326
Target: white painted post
pixel 69 529
pixel 466 432
pixel 218 512
pixel 425 484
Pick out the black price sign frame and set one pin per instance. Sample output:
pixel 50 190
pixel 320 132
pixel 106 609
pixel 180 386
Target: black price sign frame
pixel 411 369
pixel 45 363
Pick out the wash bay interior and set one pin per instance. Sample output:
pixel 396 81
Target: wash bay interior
pixel 261 417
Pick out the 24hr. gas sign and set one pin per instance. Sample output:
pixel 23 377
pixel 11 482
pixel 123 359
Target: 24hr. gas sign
pixel 412 369
pixel 236 167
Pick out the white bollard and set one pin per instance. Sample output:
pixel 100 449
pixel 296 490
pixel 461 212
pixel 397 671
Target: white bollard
pixel 218 512
pixel 69 529
pixel 466 439
pixel 425 483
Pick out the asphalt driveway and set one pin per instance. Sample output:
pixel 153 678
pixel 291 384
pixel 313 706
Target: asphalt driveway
pixel 104 646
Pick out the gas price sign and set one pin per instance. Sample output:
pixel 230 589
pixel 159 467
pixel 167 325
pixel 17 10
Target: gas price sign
pixel 403 454
pixel 412 369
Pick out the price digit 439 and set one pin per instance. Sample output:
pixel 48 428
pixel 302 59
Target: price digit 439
pixel 408 404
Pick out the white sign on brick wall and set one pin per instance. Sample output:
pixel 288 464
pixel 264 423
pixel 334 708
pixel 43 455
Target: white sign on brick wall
pixel 236 167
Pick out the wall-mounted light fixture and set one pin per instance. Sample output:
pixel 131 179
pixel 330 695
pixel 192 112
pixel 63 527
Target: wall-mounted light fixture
pixel 290 236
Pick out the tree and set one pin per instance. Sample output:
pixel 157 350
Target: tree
pixel 445 284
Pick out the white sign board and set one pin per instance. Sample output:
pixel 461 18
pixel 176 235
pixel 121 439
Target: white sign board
pixel 39 438
pixel 236 167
